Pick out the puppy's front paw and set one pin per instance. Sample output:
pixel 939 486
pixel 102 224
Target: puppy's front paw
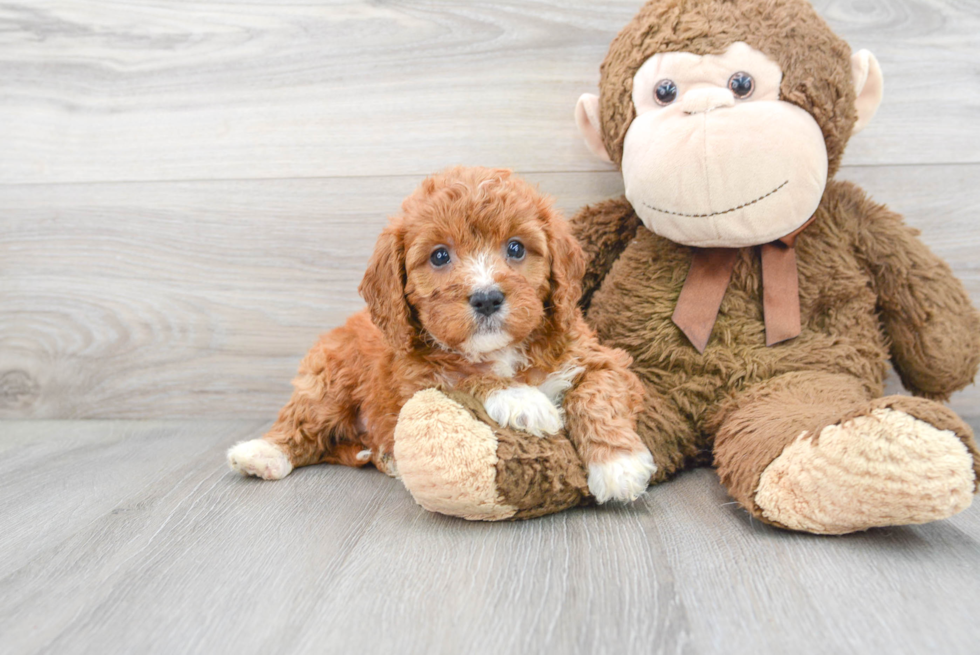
pixel 260 458
pixel 525 408
pixel 622 478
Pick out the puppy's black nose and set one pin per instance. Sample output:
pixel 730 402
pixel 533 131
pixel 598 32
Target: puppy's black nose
pixel 487 302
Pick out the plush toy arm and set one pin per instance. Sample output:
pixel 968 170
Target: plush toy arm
pixel 933 328
pixel 454 461
pixel 603 230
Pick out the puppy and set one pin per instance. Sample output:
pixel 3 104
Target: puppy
pixel 475 286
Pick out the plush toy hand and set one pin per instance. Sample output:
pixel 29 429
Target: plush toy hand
pixel 454 461
pixel 524 408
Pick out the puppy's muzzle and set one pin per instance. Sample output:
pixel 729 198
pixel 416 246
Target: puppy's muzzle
pixel 487 303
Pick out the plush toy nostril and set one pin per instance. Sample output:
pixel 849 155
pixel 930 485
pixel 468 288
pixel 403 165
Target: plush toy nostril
pixel 487 302
pixel 700 101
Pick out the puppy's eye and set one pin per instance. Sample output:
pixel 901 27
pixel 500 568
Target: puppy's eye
pixel 515 249
pixel 741 84
pixel 439 257
pixel 666 92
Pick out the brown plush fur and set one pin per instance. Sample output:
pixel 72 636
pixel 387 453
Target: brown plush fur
pixel 536 476
pixel 870 291
pixel 353 383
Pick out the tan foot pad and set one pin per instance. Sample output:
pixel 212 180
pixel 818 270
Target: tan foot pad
pixel 886 468
pixel 448 459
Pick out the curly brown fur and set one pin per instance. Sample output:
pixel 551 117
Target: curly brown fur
pixel 422 331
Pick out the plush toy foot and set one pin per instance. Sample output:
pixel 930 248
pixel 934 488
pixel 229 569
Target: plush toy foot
pixel 885 467
pixel 260 458
pixel 455 460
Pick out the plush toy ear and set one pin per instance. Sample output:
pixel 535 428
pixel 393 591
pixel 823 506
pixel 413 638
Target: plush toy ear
pixel 587 120
pixel 869 85
pixel 383 288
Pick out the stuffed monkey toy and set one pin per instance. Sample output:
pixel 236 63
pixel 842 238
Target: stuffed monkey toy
pixel 760 298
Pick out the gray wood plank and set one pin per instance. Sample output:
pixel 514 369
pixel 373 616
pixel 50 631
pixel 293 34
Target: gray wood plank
pixel 579 582
pixel 139 576
pixel 151 90
pixel 174 553
pixel 206 292
pixel 157 300
pixel 56 477
pixel 759 589
pixel 124 297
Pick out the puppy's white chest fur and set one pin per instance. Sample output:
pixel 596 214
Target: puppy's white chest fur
pixel 508 362
pixel 560 381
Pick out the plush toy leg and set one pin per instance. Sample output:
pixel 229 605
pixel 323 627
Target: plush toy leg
pixel 811 452
pixel 455 460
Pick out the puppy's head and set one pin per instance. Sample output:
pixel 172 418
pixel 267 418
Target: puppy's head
pixel 477 261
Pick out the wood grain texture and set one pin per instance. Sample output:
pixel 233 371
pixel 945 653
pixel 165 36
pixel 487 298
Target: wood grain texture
pixel 185 299
pixel 156 300
pixel 152 90
pixel 171 298
pixel 188 195
pixel 132 536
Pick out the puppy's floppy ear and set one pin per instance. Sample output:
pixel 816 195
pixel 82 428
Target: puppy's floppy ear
pixel 383 288
pixel 567 269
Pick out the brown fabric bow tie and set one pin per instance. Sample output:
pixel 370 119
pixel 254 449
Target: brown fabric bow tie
pixel 706 283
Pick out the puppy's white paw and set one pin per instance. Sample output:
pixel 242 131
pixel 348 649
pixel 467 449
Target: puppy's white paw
pixel 622 478
pixel 524 408
pixel 260 458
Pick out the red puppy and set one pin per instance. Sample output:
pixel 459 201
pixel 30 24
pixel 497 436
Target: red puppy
pixel 474 287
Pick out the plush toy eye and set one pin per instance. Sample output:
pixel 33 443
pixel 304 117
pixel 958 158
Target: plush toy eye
pixel 515 249
pixel 741 84
pixel 666 92
pixel 439 257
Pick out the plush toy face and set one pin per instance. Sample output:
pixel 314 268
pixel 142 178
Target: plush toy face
pixel 728 142
pixel 713 157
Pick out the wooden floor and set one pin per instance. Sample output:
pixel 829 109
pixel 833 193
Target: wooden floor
pixel 189 192
pixel 132 537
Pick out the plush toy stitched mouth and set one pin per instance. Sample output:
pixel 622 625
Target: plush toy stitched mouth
pixel 743 205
